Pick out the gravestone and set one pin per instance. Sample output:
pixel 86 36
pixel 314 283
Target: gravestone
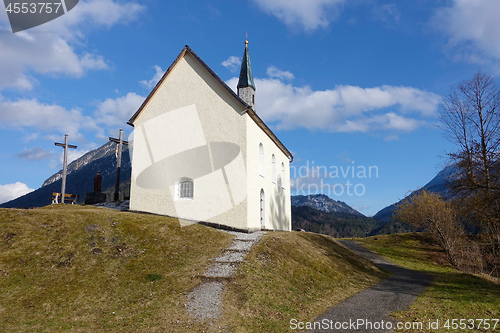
pixel 97 196
pixel 98 182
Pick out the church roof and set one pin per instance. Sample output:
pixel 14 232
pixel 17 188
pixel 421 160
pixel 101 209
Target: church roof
pixel 246 77
pixel 247 108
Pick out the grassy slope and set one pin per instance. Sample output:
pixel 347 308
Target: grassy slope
pixel 84 269
pixel 453 295
pixel 293 276
pixel 81 269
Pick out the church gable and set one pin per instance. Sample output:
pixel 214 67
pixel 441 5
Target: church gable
pixel 191 77
pixel 186 88
pixel 190 84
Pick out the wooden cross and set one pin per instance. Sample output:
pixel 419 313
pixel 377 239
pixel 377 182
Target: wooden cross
pixel 65 145
pixel 120 143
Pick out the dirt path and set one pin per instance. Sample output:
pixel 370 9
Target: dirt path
pixel 205 301
pixel 368 311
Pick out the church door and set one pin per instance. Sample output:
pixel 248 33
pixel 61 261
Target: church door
pixel 262 209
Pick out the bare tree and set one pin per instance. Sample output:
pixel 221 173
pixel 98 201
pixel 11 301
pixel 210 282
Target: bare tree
pixel 429 211
pixel 470 116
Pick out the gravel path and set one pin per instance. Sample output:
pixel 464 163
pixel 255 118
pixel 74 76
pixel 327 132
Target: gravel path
pixel 372 306
pixel 205 301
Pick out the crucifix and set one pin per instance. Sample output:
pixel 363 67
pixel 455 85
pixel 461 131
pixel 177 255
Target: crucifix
pixel 120 143
pixel 65 145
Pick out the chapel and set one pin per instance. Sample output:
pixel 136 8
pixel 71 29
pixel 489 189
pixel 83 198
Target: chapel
pixel 202 153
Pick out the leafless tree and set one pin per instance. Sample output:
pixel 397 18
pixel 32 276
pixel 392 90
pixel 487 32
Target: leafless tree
pixel 470 116
pixel 429 211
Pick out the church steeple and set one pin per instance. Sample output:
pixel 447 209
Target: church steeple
pixel 246 87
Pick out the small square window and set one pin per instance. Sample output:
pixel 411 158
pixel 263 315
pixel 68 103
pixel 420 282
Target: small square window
pixel 185 188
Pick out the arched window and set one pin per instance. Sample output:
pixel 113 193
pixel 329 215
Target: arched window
pixel 282 180
pixel 262 164
pixel 273 168
pixel 262 209
pixel 185 188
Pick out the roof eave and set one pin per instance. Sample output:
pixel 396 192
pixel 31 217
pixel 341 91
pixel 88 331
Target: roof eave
pixel 169 70
pixel 255 117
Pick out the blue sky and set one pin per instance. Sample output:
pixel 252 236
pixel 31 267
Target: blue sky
pixel 345 84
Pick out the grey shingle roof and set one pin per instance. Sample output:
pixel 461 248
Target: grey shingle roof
pixel 246 77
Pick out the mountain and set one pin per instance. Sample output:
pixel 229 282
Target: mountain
pixel 323 203
pixel 80 178
pixel 438 184
pixel 335 224
pixel 321 214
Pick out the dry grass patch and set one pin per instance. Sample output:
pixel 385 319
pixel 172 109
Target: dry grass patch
pixel 293 275
pixel 84 269
pixel 452 295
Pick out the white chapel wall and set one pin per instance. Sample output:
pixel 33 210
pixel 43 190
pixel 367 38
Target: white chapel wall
pixel 192 127
pixel 277 194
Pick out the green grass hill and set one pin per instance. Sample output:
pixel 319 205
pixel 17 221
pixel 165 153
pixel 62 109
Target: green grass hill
pixel 67 268
pixel 458 302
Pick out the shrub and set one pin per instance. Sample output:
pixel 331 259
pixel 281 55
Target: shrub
pixel 429 211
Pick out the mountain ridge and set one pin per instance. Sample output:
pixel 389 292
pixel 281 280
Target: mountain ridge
pixel 438 184
pixel 334 224
pixel 80 177
pixel 323 203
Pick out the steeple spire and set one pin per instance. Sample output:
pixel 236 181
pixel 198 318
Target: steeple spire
pixel 246 87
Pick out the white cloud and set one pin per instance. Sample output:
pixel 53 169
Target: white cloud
pixel 308 15
pixel 24 53
pixel 54 120
pixel 150 84
pixel 306 179
pixel 35 154
pixel 73 154
pixel 116 112
pixel 344 108
pixel 54 157
pixel 388 13
pixel 103 13
pixel 232 63
pixel 332 180
pixel 279 74
pixel 52 48
pixel 386 121
pixel 56 162
pixel 35 117
pixel 31 137
pixel 30 113
pixel 391 137
pixel 472 28
pixel 12 191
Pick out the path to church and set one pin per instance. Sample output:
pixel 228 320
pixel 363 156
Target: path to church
pixel 205 301
pixel 376 303
pixel 373 304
